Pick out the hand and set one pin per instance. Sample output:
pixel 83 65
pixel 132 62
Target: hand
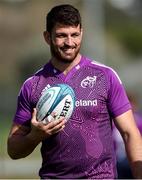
pixel 42 131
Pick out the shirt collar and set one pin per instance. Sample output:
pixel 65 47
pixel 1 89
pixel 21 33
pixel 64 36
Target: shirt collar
pixel 55 71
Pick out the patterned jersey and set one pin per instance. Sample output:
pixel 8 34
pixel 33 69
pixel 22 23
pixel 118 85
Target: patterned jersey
pixel 84 149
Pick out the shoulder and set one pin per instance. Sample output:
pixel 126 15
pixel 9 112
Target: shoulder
pixel 30 82
pixel 31 87
pixel 33 79
pixel 107 71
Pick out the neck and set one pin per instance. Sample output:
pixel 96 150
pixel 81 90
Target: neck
pixel 65 67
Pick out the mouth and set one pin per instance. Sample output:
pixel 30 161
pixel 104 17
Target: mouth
pixel 68 50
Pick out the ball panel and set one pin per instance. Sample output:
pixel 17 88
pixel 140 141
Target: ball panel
pixel 65 107
pixel 59 99
pixel 46 102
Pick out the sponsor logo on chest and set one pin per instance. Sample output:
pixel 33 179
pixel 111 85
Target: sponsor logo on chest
pixel 85 103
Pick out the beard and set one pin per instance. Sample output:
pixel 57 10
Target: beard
pixel 61 55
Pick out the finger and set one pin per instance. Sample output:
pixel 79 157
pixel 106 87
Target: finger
pixel 54 115
pixel 34 119
pixel 58 127
pixel 54 123
pixel 50 118
pixel 63 127
pixel 58 130
pixel 55 130
pixel 34 112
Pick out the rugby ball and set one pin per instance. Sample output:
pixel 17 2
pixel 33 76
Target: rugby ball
pixel 58 99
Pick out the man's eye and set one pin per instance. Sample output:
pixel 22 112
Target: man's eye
pixel 75 35
pixel 60 35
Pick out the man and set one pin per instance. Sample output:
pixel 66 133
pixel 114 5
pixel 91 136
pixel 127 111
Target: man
pixel 83 146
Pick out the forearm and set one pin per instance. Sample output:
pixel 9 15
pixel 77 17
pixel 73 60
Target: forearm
pixel 21 146
pixel 134 152
pixel 23 140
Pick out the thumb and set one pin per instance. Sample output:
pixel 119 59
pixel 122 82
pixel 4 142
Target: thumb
pixel 34 115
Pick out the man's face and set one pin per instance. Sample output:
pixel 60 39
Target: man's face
pixel 65 42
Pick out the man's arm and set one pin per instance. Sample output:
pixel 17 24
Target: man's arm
pixel 23 140
pixel 132 140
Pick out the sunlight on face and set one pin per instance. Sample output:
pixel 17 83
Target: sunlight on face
pixel 65 42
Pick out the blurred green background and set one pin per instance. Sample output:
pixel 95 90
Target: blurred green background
pixel 112 35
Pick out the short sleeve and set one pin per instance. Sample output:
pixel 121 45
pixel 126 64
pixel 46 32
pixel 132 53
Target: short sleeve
pixel 24 105
pixel 118 102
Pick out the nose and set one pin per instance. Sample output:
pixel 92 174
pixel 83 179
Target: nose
pixel 69 41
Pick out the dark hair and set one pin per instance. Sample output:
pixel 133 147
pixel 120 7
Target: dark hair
pixel 63 14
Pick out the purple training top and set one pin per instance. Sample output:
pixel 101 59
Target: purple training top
pixel 84 149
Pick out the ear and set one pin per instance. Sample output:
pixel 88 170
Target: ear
pixel 46 36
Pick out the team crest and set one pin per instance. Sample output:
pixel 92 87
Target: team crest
pixel 88 82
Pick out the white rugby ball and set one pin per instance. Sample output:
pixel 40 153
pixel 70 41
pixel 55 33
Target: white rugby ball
pixel 58 99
